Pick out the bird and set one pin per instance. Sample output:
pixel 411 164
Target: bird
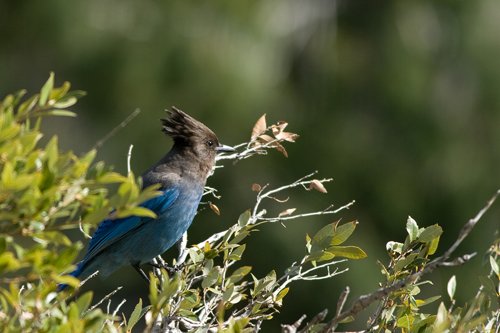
pixel 181 174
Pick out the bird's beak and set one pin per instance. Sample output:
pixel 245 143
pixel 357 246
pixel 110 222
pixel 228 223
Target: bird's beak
pixel 225 149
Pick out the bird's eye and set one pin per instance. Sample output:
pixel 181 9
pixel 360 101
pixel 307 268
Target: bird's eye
pixel 210 143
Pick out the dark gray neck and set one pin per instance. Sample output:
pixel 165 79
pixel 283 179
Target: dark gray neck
pixel 180 165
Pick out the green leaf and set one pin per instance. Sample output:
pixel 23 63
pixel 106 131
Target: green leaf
pixel 282 294
pixel 52 152
pixel 332 234
pixel 111 177
pixel 66 102
pixel 488 284
pixel 442 321
pixel 228 293
pixel 211 277
pixel 239 274
pixel 190 299
pixel 427 300
pixel 405 321
pixel 3 243
pixel 433 246
pixel 319 256
pixel 350 252
pixel 140 211
pixel 451 287
pixel 412 228
pixel 402 263
pixel 66 279
pixel 46 89
pixel 429 233
pixel 343 232
pixel 135 316
pixel 83 302
pixel 237 253
pixel 58 93
pixel 244 218
pixel 57 112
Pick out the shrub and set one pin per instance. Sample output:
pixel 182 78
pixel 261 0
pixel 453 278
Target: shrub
pixel 44 192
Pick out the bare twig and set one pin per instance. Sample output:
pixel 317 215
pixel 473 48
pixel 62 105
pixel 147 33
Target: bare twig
pixel 129 157
pixel 115 130
pixel 293 327
pixel 80 226
pixel 108 296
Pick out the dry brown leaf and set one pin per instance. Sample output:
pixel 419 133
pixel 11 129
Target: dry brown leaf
pixel 286 212
pixel 256 187
pixel 316 185
pixel 279 127
pixel 287 136
pixel 259 127
pixel 280 148
pixel 214 208
pixel 264 138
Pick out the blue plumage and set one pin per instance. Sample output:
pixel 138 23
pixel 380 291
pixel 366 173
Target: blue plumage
pixel 182 175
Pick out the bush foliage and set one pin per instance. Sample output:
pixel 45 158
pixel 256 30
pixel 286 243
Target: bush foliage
pixel 45 191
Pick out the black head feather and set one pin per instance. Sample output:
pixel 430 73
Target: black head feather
pixel 183 128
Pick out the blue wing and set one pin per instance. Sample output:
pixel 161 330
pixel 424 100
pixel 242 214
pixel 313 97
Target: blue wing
pixel 110 231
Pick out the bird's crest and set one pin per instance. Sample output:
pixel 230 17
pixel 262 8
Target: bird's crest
pixel 181 126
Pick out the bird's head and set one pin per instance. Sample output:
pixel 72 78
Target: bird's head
pixel 189 133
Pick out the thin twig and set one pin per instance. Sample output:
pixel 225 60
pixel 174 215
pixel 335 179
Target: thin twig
pixel 115 130
pixel 129 157
pixel 108 296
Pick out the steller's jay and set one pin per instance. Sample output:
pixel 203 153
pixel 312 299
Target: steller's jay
pixel 182 174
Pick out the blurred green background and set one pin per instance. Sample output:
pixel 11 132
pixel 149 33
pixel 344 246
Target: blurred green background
pixel 398 101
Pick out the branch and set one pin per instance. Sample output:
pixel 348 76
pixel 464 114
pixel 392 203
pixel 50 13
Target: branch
pixel 115 130
pixel 365 300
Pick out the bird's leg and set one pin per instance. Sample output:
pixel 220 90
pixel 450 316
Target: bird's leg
pixel 164 265
pixel 139 270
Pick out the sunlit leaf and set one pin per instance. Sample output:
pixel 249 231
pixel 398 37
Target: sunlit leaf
pixel 405 321
pixel 394 247
pixel 46 89
pixel 429 233
pixel 433 246
pixel 451 287
pixel 287 212
pixel 318 186
pixel 343 232
pixel 214 208
pixel 412 228
pixel 350 252
pixel 259 127
pixel 137 211
pixel 282 294
pixel 332 234
pixel 135 316
pixel 57 112
pixel 494 265
pixel 428 300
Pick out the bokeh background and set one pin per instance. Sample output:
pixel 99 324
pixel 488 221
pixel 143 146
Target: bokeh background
pixel 398 101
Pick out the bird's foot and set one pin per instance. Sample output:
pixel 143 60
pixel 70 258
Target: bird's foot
pixel 168 268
